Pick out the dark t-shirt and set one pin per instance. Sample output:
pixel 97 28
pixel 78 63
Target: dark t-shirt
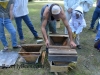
pixel 4 12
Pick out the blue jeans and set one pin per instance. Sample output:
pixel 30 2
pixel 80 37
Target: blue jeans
pixel 95 16
pixel 98 34
pixel 9 26
pixel 51 26
pixel 28 22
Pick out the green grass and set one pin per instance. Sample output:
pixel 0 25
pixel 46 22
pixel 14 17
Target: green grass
pixel 88 58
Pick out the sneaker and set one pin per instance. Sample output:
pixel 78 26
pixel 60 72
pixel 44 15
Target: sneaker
pixel 78 46
pixel 22 41
pixel 38 37
pixel 5 49
pixel 15 47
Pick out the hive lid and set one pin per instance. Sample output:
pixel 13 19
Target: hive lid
pixel 53 50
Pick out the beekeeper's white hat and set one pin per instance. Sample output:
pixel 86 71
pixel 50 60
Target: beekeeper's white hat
pixel 80 9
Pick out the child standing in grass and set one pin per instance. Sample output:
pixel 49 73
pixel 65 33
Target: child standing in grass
pixel 77 23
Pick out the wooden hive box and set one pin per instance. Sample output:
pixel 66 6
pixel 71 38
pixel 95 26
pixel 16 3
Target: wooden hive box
pixel 31 52
pixel 58 39
pixel 62 53
pixel 58 68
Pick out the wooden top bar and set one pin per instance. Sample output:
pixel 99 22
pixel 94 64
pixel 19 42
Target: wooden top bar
pixel 61 50
pixel 60 35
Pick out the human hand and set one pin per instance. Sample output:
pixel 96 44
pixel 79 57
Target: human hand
pixel 69 10
pixel 47 43
pixel 72 44
pixel 12 18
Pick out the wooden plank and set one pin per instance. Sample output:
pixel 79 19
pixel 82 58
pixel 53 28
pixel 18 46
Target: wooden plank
pixel 29 45
pixel 62 51
pixel 30 58
pixel 64 47
pixel 59 35
pixel 54 68
pixel 60 63
pixel 25 54
pixel 65 58
pixel 31 52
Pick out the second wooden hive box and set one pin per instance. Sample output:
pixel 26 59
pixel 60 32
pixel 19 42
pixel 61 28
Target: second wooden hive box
pixel 31 52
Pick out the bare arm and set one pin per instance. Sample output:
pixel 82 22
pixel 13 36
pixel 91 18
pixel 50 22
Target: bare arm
pixel 63 17
pixel 44 23
pixel 11 13
pixel 67 25
pixel 68 28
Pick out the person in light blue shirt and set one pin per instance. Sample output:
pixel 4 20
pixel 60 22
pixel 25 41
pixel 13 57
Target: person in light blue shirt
pixel 86 5
pixel 69 6
pixel 21 12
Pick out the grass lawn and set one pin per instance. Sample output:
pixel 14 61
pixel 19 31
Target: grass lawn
pixel 88 58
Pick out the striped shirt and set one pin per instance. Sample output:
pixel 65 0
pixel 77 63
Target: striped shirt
pixel 4 11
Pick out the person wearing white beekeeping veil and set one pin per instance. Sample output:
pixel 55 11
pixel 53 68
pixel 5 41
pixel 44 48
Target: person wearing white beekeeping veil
pixel 77 23
pixel 69 6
